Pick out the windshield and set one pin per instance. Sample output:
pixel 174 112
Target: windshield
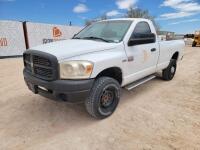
pixel 107 31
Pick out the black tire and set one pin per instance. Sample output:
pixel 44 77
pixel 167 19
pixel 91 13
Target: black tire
pixel 169 72
pixel 104 97
pixel 194 44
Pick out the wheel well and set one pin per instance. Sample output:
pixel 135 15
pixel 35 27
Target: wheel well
pixel 113 72
pixel 175 56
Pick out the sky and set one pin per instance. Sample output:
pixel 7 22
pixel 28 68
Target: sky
pixel 180 16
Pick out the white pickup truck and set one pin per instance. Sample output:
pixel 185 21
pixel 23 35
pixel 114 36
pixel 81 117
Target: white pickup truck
pixel 96 63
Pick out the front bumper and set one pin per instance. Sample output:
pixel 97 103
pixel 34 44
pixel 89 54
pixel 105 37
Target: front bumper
pixel 72 91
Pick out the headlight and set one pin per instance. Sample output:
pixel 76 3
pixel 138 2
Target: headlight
pixel 75 69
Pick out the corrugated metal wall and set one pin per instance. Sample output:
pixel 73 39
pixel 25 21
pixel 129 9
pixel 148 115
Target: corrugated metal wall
pixel 16 37
pixel 12 40
pixel 39 33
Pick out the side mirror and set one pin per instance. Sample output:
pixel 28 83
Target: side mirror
pixel 138 38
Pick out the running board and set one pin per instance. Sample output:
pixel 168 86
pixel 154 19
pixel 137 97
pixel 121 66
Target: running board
pixel 139 82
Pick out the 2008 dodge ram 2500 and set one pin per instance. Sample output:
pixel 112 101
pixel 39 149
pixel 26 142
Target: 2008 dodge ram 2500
pixel 99 60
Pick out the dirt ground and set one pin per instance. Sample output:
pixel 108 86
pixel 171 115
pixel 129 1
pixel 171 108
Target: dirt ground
pixel 157 115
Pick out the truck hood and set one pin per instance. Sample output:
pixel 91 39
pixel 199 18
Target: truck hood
pixel 74 47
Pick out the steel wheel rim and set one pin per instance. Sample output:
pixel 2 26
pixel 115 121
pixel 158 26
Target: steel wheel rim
pixel 107 98
pixel 112 103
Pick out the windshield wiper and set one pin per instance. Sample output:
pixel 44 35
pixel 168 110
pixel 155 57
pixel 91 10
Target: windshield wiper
pixel 97 38
pixel 76 38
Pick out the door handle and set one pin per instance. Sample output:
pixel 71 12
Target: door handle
pixel 153 49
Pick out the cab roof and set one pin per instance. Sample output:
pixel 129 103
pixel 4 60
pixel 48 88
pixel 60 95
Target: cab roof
pixel 127 19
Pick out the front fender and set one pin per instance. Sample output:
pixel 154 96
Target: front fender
pixel 105 59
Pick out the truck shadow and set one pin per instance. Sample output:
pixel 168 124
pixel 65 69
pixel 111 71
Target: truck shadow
pixel 49 110
pixel 132 95
pixel 45 108
pixel 67 112
pixel 43 117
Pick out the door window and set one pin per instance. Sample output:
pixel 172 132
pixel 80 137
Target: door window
pixel 142 28
pixel 142 35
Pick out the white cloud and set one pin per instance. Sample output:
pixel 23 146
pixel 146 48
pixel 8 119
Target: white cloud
pixel 185 21
pixel 183 8
pixel 125 4
pixel 80 8
pixel 113 13
pixel 175 15
pixel 172 3
pixel 182 5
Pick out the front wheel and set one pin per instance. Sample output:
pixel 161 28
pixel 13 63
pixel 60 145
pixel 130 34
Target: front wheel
pixel 104 97
pixel 169 72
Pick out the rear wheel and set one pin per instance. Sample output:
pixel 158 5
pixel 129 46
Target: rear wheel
pixel 194 44
pixel 169 72
pixel 103 98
